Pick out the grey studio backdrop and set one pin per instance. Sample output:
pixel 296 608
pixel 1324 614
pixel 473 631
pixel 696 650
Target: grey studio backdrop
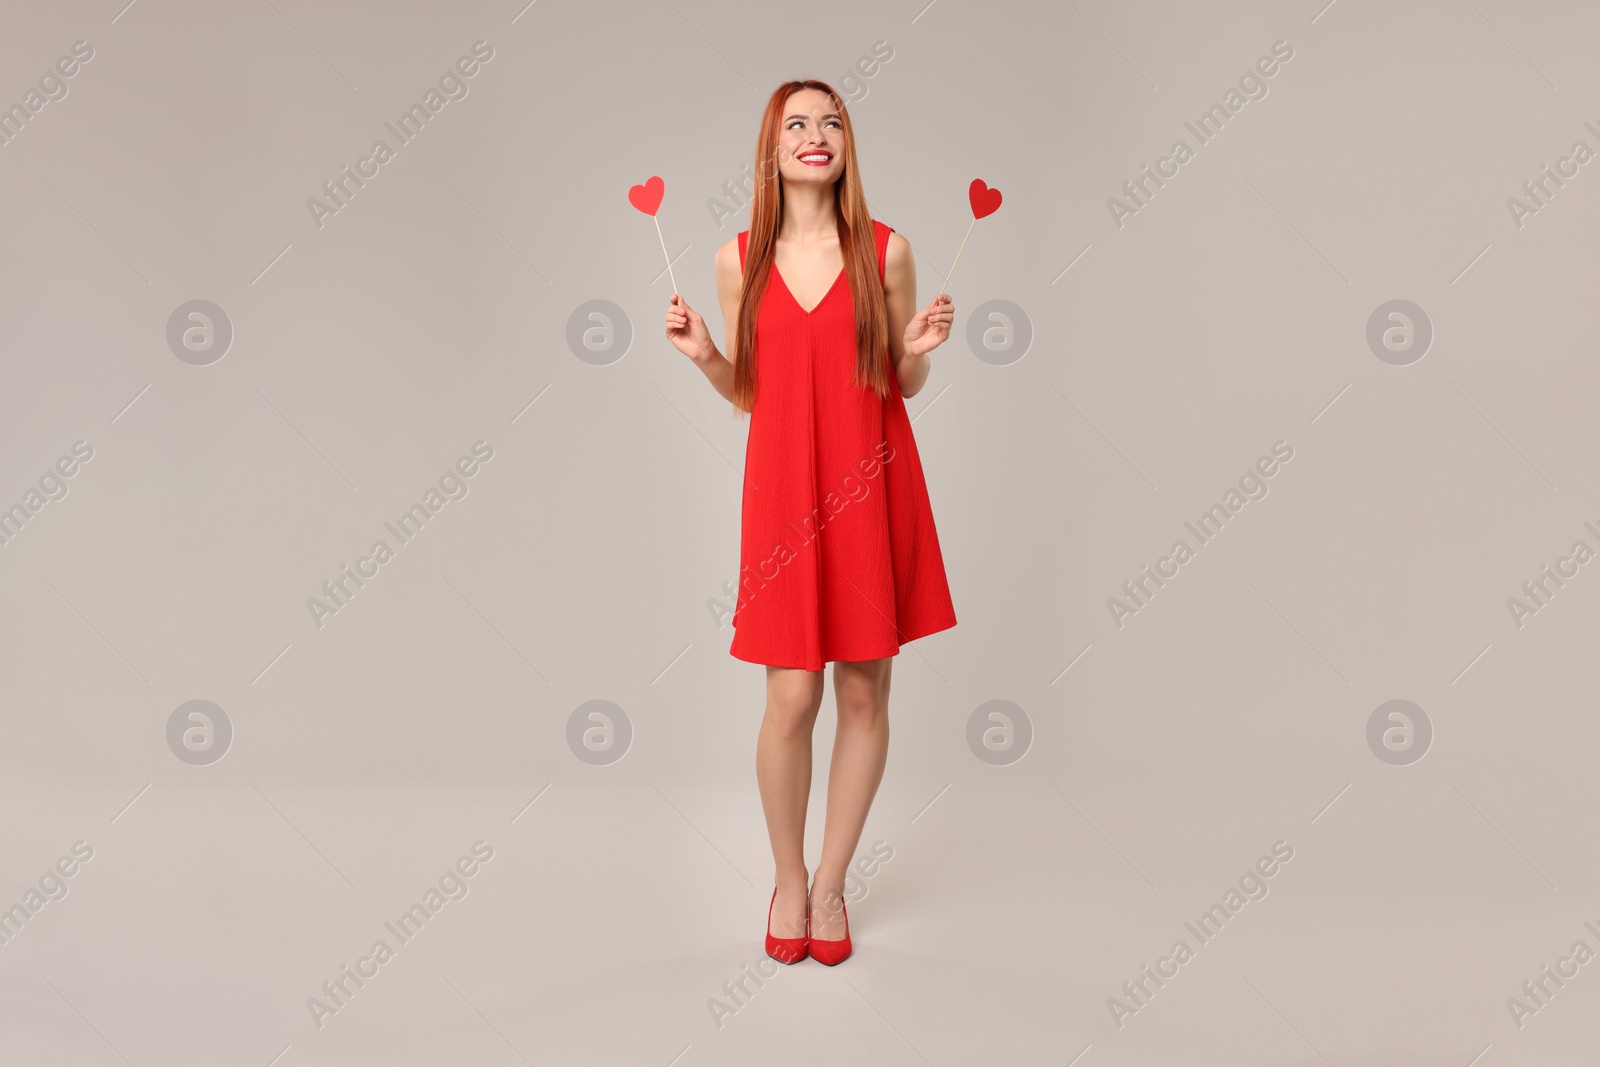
pixel 1343 752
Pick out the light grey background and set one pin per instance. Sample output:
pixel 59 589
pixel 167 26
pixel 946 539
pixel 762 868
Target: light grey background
pixel 432 711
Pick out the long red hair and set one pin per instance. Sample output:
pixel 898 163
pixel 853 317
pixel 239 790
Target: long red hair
pixel 857 244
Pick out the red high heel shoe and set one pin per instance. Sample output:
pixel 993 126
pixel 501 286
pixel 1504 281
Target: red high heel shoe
pixel 787 949
pixel 831 953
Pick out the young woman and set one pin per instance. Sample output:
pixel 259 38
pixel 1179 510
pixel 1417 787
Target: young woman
pixel 839 559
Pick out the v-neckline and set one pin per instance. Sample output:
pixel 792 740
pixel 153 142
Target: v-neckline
pixel 795 299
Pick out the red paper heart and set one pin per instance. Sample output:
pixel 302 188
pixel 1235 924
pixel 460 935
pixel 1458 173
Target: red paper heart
pixel 985 201
pixel 647 197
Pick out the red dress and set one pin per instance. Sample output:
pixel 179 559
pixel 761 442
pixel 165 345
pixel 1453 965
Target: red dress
pixel 839 559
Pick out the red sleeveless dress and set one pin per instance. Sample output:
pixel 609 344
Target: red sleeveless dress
pixel 838 555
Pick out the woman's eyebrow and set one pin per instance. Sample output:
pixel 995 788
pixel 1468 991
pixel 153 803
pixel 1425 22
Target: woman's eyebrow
pixel 829 115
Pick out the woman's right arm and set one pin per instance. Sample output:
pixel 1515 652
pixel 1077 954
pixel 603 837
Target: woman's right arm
pixel 687 330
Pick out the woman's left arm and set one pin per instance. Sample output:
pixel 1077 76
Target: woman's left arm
pixel 911 335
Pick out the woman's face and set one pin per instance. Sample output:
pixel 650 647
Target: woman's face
pixel 810 139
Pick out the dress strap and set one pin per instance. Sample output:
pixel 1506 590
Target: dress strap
pixel 881 236
pixel 744 238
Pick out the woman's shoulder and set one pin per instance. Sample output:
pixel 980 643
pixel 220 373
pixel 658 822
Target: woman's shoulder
pixel 887 237
pixel 731 253
pixel 895 253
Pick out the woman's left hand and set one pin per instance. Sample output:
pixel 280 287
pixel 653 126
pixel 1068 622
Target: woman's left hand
pixel 931 326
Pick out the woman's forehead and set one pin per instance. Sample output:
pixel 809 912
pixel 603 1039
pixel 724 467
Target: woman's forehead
pixel 809 102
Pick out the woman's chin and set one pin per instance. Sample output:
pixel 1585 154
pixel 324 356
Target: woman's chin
pixel 814 175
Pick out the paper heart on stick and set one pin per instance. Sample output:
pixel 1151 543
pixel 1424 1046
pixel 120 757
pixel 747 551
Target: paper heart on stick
pixel 985 201
pixel 647 197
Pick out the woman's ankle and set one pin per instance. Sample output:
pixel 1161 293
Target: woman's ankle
pixel 787 880
pixel 824 882
pixel 827 899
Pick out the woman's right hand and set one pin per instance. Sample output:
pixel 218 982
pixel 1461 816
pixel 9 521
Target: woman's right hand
pixel 687 331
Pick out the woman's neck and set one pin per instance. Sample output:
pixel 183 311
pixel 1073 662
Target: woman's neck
pixel 808 213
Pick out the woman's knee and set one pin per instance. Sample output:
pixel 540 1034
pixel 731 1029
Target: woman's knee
pixel 862 691
pixel 793 697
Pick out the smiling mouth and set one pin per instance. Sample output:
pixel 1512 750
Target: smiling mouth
pixel 815 158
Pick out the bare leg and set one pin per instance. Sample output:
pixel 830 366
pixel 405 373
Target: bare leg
pixel 860 750
pixel 783 772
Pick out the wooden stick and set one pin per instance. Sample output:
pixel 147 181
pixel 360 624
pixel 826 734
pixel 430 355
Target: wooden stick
pixel 668 258
pixel 958 254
